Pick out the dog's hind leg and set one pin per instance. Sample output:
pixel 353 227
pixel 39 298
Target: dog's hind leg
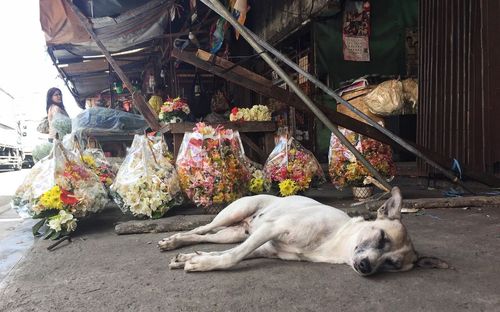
pixel 228 235
pixel 228 258
pixel 265 251
pixel 233 214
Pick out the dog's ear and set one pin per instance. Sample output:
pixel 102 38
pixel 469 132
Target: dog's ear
pixel 431 263
pixel 391 209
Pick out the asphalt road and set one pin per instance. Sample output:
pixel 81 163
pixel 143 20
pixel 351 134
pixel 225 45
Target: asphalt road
pixel 15 233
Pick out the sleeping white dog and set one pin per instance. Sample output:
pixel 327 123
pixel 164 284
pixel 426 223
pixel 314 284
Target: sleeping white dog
pixel 300 228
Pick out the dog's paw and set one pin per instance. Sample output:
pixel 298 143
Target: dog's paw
pixel 168 243
pixel 204 262
pixel 179 260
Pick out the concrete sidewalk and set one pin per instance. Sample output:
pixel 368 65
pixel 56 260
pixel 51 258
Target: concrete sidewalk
pixel 101 271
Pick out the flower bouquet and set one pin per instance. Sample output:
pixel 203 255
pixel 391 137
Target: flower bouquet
pixel 94 159
pixel 256 113
pixel 147 184
pixel 210 165
pixel 174 110
pixel 345 170
pixel 58 190
pixel 290 168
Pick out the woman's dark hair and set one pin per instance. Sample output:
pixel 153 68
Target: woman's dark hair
pixel 49 99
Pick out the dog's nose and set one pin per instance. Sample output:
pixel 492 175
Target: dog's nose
pixel 364 266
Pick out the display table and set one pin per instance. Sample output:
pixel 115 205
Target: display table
pixel 258 136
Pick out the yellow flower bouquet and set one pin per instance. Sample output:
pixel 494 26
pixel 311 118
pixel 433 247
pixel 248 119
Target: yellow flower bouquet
pixel 59 190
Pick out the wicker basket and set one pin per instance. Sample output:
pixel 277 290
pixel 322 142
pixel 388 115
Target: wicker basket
pixel 362 192
pixel 213 209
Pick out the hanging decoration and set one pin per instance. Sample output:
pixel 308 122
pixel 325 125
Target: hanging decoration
pixel 356 31
pixel 239 11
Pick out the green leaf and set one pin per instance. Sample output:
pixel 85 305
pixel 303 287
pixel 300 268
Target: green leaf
pixel 37 227
pixel 46 214
pixel 49 233
pixel 157 214
pixel 55 235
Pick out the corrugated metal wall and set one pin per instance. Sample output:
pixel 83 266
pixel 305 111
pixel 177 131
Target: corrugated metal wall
pixel 459 80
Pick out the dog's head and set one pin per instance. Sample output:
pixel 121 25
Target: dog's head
pixel 384 244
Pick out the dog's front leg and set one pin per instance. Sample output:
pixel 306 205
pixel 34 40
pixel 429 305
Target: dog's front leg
pixel 229 258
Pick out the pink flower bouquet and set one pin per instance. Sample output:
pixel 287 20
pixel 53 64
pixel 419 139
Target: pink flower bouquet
pixel 174 110
pixel 345 170
pixel 210 166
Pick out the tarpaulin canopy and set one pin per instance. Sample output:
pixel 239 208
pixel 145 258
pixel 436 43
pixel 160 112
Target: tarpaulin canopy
pixel 121 25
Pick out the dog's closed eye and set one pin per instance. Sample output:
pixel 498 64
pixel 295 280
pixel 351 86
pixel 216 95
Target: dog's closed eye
pixel 390 264
pixel 383 240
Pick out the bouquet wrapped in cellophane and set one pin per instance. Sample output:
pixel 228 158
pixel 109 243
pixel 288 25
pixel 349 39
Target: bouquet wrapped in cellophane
pixel 345 170
pixel 59 190
pixel 291 168
pixel 211 166
pixel 93 158
pixel 147 184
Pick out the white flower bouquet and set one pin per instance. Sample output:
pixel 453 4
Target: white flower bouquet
pixel 147 184
pixel 256 113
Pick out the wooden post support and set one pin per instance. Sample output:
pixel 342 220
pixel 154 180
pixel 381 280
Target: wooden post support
pixel 137 97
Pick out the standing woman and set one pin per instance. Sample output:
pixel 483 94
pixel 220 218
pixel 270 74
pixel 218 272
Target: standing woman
pixel 55 106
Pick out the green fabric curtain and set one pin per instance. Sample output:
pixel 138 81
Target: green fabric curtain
pixel 389 21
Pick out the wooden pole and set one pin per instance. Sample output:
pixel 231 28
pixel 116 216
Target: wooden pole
pixel 137 97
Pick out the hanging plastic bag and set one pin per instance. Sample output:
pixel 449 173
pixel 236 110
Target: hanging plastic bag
pixel 386 98
pixel 59 190
pixel 345 170
pixel 147 184
pixel 211 166
pixel 291 168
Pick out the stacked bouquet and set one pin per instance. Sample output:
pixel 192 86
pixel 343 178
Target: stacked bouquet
pixel 291 168
pixel 211 167
pixel 345 170
pixel 58 190
pixel 256 113
pixel 147 184
pixel 95 160
pixel 174 110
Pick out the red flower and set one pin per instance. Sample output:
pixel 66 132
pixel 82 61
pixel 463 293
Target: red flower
pixel 68 198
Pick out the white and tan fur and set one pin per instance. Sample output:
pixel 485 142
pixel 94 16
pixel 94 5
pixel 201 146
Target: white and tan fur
pixel 300 228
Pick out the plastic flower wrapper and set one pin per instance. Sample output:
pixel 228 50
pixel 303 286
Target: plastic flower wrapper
pixel 345 170
pixel 290 168
pixel 174 110
pixel 211 167
pixel 147 184
pixel 95 160
pixel 256 113
pixel 59 190
pixel 92 158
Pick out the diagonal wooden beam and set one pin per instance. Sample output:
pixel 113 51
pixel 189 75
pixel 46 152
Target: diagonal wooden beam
pixel 137 96
pixel 250 80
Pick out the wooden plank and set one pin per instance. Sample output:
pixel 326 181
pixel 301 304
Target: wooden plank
pixel 93 66
pixel 247 126
pixel 137 97
pixel 168 224
pixel 450 202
